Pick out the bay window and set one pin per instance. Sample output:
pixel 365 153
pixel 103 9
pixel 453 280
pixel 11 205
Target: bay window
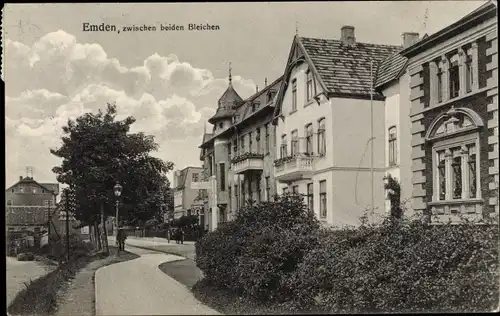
pixel 321 137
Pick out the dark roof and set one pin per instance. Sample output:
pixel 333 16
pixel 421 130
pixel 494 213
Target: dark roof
pixel 54 187
pixel 346 69
pixel 226 104
pixel 23 215
pixel 390 69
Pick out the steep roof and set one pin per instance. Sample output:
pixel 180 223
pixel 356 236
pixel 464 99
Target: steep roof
pixel 390 69
pixel 226 104
pixel 53 187
pixel 346 69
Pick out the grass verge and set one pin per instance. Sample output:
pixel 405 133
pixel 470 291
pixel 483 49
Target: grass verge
pixel 228 303
pixel 40 296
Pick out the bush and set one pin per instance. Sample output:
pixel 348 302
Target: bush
pixel 256 253
pixel 408 267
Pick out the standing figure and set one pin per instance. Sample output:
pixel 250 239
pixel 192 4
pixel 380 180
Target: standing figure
pixel 121 239
pixel 181 236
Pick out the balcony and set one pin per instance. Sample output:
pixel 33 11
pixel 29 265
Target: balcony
pixel 248 162
pixel 294 168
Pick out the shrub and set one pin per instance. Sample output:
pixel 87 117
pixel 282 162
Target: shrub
pixel 257 252
pixel 408 267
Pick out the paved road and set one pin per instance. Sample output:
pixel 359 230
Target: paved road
pixel 185 250
pixel 19 272
pixel 138 287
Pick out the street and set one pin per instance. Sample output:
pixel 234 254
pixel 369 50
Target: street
pixel 139 287
pixel 19 272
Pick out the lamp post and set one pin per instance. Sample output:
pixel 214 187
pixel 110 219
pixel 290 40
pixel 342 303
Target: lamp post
pixel 118 191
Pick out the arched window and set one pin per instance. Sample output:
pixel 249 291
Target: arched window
pixel 393 155
pixel 321 137
pixel 455 149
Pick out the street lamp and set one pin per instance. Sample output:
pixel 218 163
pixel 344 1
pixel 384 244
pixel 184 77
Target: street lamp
pixel 118 191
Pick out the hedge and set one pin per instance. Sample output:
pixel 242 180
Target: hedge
pixel 278 252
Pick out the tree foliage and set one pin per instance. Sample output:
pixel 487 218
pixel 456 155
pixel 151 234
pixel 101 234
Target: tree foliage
pixel 97 151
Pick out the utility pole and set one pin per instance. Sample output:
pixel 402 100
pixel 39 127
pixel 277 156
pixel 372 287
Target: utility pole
pixel 371 132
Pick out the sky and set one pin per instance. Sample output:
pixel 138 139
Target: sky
pixel 169 81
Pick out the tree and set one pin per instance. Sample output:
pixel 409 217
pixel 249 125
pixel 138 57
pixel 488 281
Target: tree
pixel 394 193
pixel 97 151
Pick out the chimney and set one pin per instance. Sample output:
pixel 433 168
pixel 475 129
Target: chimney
pixel 347 35
pixel 256 89
pixel 20 178
pixel 409 38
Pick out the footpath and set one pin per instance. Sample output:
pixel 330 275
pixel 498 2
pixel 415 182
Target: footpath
pixel 139 287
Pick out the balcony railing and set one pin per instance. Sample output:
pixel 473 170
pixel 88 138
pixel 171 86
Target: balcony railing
pixel 248 162
pixel 294 168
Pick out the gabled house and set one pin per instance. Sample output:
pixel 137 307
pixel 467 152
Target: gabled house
pixel 240 151
pixel 330 127
pixel 28 203
pixel 184 194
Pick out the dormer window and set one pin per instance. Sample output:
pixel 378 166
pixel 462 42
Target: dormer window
pixel 221 125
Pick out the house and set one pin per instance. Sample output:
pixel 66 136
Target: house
pixel 330 126
pixel 392 81
pixel 28 204
pixel 454 114
pixel 239 152
pixel 184 193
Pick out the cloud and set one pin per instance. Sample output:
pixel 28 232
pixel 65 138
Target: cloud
pixel 58 78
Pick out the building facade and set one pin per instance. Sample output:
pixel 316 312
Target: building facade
pixel 28 204
pixel 393 82
pixel 454 114
pixel 239 153
pixel 326 120
pixel 184 192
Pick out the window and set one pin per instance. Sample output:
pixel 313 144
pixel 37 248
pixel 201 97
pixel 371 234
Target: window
pixel 36 229
pixel 454 80
pixel 455 162
pixel 13 190
pixel 43 191
pixel 237 196
pixel 283 147
pixel 34 190
pixel 469 77
pixel 46 203
pixel 222 176
pixel 309 86
pixel 196 177
pixel 310 197
pixel 294 95
pixel 309 139
pixel 221 125
pixel 250 142
pixel 392 146
pixel 235 147
pixel 9 202
pixel 321 137
pixel 295 189
pixel 269 96
pixel 267 138
pixel 242 144
pixel 21 189
pixel 440 85
pixel 257 141
pixel 268 189
pixel 322 199
pixel 257 189
pixel 229 152
pixel 295 143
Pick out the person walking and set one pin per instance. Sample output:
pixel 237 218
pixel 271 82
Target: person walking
pixel 181 236
pixel 121 239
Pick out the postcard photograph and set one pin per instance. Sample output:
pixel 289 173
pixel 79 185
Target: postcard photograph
pixel 212 158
